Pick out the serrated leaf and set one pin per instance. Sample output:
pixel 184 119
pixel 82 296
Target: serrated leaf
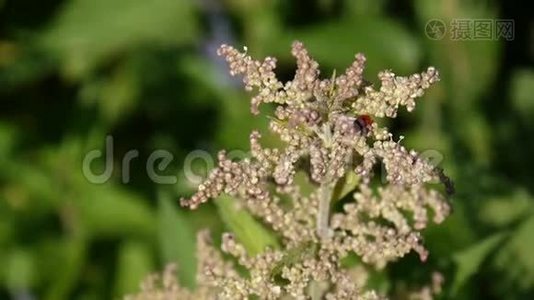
pixel 252 234
pixel 469 260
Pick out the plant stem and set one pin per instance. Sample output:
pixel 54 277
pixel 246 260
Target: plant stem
pixel 317 289
pixel 323 213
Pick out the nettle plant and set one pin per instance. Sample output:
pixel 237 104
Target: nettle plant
pixel 329 135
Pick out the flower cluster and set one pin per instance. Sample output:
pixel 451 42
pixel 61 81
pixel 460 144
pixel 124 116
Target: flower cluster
pixel 329 134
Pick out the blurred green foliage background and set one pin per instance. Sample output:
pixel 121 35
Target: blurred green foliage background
pixel 145 72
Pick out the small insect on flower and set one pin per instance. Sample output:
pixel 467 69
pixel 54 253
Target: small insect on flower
pixel 363 124
pixel 446 181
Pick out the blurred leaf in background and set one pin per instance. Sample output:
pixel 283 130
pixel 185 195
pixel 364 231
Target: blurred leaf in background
pixel 86 32
pixel 144 72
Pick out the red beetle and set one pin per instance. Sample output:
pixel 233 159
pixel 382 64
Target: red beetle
pixel 362 123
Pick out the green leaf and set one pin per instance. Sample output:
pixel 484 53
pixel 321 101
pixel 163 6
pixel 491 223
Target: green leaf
pixel 70 254
pixel 501 211
pixel 469 260
pixel 134 263
pixel 358 9
pixel 515 257
pixel 116 95
pixel 251 233
pixel 87 31
pixel 8 136
pixel 467 69
pixel 453 235
pixel 108 210
pixel 177 239
pixel 521 91
pixel 20 270
pixel 386 43
pixel 345 185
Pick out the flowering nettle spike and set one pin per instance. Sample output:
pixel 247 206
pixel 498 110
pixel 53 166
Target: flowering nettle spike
pixel 348 83
pixel 394 92
pixel 329 130
pixel 307 74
